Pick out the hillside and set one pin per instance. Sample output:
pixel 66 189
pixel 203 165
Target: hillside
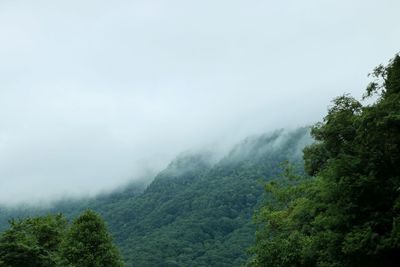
pixel 195 212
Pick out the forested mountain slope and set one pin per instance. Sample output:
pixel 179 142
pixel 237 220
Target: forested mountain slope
pixel 195 212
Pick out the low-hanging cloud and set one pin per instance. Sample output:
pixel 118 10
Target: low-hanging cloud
pixel 94 94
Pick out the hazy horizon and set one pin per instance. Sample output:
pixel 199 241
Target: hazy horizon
pixel 95 94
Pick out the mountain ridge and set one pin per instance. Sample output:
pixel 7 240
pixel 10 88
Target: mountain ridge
pixel 195 212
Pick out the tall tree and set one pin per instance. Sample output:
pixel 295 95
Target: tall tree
pixel 348 212
pixel 88 244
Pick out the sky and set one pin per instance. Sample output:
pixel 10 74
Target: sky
pixel 95 93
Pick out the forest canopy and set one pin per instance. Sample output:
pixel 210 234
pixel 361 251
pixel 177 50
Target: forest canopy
pixel 346 211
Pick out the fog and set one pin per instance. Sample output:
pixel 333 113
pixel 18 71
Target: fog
pixel 94 94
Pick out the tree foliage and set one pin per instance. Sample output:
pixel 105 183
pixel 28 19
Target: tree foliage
pixel 32 242
pixel 47 241
pixel 347 212
pixel 87 243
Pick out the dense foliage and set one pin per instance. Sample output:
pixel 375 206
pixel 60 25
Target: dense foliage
pixel 198 211
pixel 32 242
pixel 48 241
pixel 347 212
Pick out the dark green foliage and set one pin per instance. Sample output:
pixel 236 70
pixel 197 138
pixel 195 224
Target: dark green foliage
pixel 348 212
pixel 387 79
pixel 87 243
pixel 32 242
pixel 47 242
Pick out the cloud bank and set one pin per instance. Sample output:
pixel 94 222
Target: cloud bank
pixel 94 94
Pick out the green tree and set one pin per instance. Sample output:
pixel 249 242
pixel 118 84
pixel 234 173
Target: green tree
pixel 348 212
pixel 88 244
pixel 32 242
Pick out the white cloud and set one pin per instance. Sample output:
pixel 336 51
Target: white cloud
pixel 93 93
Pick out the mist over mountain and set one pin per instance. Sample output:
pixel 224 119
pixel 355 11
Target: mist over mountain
pixel 95 95
pixel 197 211
pixel 177 133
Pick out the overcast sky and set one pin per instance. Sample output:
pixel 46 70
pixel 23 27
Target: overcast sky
pixel 95 93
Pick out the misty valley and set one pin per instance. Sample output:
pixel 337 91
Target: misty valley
pixel 195 212
pixel 326 195
pixel 153 133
